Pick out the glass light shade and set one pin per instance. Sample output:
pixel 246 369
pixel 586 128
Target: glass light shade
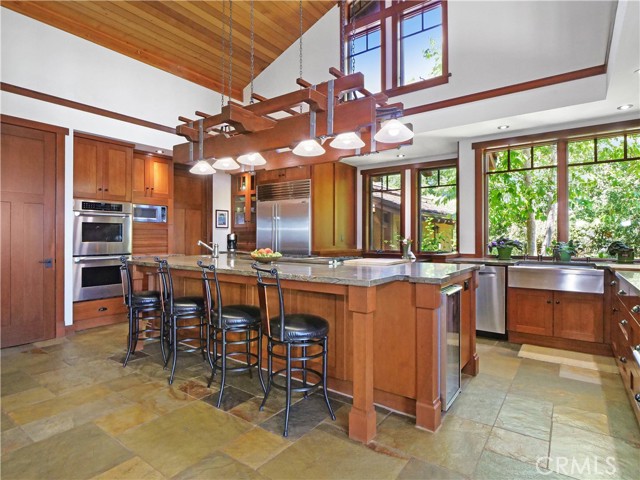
pixel 393 131
pixel 309 148
pixel 347 141
pixel 226 163
pixel 202 167
pixel 252 159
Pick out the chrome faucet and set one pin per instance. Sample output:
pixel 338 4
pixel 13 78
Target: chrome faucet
pixel 214 250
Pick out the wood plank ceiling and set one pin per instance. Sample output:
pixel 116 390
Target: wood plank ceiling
pixel 185 38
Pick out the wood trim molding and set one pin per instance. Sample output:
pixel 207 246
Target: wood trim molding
pixel 60 133
pixel 45 97
pixel 479 206
pixel 557 134
pixel 516 88
pixel 98 138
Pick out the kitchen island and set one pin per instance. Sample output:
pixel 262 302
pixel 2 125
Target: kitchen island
pixel 384 325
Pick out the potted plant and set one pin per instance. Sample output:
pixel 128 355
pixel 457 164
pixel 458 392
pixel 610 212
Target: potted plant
pixel 504 246
pixel 624 253
pixel 563 251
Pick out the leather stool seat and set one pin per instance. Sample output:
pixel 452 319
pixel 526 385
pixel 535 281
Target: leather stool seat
pixel 300 327
pixel 237 316
pixel 145 298
pixel 183 305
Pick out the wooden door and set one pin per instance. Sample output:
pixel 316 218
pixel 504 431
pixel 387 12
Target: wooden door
pixel 28 212
pixel 159 172
pixel 578 316
pixel 116 172
pixel 138 180
pixel 87 169
pixel 530 311
pixel 323 206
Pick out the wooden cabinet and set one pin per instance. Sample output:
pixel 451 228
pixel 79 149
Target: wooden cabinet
pixel 625 338
pixel 288 174
pixel 562 315
pixel 333 187
pixel 191 213
pixel 101 169
pixel 152 179
pixel 243 209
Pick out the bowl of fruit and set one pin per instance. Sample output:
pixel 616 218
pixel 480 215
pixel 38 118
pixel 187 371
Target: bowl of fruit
pixel 265 255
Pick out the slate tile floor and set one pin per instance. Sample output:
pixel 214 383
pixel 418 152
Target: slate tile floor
pixel 69 410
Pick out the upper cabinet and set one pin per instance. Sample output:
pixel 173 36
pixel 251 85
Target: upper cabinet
pixel 283 174
pixel 243 209
pixel 152 179
pixel 101 169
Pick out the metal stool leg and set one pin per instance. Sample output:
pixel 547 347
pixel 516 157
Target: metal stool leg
pixel 304 370
pixel 162 337
pixel 288 407
pixel 269 373
pixel 174 348
pixel 264 389
pixel 224 367
pixel 324 377
pixel 130 347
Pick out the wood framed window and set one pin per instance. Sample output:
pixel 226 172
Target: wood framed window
pixel 383 210
pixel 400 46
pixel 579 184
pixel 436 209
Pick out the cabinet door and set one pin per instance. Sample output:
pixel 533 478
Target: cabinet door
pixel 159 171
pixel 87 169
pixel 345 202
pixel 578 316
pixel 138 181
pixel 530 311
pixel 116 172
pixel 322 200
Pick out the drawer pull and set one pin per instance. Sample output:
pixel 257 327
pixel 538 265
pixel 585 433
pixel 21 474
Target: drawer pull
pixel 623 359
pixel 102 309
pixel 621 292
pixel 624 322
pixel 613 283
pixel 635 309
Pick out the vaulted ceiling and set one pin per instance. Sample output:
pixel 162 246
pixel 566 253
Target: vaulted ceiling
pixel 185 38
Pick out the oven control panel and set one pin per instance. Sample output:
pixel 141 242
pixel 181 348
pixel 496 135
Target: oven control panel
pixel 105 207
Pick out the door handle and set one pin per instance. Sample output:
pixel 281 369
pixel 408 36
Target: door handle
pixel 48 262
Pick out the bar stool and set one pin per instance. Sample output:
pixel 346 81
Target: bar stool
pixel 177 312
pixel 292 330
pixel 240 321
pixel 139 304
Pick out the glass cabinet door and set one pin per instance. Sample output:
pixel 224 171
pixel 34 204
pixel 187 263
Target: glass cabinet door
pixel 239 209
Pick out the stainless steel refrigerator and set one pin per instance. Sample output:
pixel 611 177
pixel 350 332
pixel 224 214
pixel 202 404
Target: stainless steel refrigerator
pixel 284 217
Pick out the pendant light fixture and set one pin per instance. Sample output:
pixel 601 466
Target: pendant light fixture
pixel 309 148
pixel 252 159
pixel 393 131
pixel 202 167
pixel 347 141
pixel 226 163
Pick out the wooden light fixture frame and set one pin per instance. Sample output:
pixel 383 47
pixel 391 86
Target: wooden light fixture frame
pixel 240 129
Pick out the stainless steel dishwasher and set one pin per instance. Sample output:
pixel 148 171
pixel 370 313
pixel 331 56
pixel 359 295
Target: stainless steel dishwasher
pixel 490 301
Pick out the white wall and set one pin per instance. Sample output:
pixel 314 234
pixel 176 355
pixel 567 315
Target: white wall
pixel 42 58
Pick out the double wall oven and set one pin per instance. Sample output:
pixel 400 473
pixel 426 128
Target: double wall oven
pixel 101 235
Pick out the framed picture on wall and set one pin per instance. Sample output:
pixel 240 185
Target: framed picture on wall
pixel 222 218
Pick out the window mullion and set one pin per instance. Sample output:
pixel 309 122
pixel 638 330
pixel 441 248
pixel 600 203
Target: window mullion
pixel 563 191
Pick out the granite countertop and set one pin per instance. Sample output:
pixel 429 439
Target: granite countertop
pixel 600 263
pixel 366 276
pixel 631 276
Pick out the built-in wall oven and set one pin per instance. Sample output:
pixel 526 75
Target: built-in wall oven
pixel 101 234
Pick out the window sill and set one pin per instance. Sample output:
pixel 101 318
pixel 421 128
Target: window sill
pixel 413 87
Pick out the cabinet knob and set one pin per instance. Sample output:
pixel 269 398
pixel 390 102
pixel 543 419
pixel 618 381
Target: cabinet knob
pixel 557 302
pixel 637 397
pixel 613 283
pixel 614 309
pixel 623 359
pixel 106 189
pixel 99 189
pixel 621 292
pixel 102 309
pixel 624 322
pixel 635 309
pixel 548 301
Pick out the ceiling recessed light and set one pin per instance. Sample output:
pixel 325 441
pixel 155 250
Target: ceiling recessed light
pixel 401 155
pixel 503 127
pixel 626 106
pixel 159 151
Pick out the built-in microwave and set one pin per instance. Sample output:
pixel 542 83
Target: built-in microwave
pixel 149 213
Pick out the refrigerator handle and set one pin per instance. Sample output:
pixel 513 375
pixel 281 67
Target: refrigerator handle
pixel 274 226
